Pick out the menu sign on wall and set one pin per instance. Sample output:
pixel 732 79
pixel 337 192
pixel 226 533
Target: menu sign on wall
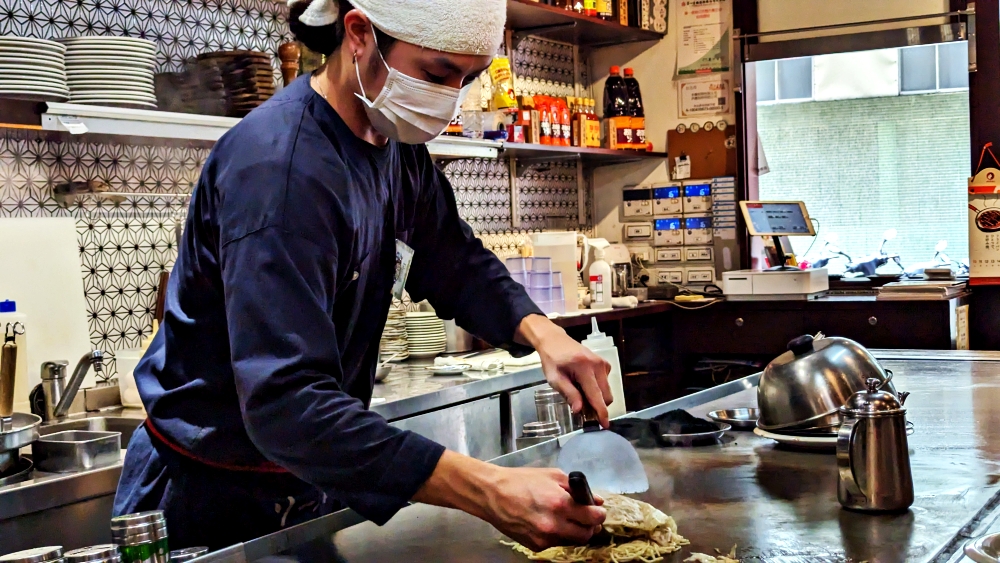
pixel 704 42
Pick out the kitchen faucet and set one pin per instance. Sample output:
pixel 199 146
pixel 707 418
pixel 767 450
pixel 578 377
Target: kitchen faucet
pixel 59 393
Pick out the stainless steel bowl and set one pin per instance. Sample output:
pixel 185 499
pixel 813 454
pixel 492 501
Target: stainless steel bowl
pixel 740 419
pixel 804 387
pixel 985 549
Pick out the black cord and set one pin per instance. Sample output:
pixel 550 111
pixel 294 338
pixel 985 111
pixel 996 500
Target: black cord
pixel 815 238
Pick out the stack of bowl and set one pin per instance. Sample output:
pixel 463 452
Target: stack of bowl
pixel 801 391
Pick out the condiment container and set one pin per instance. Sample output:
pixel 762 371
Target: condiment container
pixel 105 553
pixel 187 554
pixel 141 537
pixel 551 406
pixel 535 433
pixel 50 554
pixel 604 346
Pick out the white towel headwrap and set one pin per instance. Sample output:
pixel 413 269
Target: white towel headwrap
pixel 470 27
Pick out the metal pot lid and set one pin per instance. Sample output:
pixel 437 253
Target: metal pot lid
pixel 832 349
pixel 23 431
pixel 103 553
pixel 36 555
pixel 872 401
pixel 148 517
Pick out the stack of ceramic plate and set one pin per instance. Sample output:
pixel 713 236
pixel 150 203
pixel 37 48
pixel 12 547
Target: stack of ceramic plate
pixel 394 342
pixel 111 71
pixel 32 69
pixel 425 334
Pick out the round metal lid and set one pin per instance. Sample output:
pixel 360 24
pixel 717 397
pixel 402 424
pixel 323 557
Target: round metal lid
pixel 148 517
pixel 36 555
pixel 871 400
pixel 23 431
pixel 534 429
pixel 105 553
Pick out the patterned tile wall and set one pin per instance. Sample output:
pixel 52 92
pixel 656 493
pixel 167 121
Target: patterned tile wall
pixel 124 246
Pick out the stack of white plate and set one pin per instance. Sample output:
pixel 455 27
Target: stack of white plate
pixel 425 334
pixel 111 71
pixel 32 69
pixel 394 342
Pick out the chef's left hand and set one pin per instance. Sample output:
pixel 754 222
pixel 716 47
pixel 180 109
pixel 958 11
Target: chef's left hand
pixel 569 366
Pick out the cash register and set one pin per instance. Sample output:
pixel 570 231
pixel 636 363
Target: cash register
pixel 776 219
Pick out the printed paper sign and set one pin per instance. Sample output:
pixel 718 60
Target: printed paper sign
pixel 704 43
pixel 704 96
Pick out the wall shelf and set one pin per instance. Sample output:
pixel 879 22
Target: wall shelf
pixel 79 119
pixel 528 154
pixel 528 17
pixel 76 119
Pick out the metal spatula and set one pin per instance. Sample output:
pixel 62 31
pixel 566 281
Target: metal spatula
pixel 608 460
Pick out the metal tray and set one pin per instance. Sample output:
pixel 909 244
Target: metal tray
pixel 689 439
pixel 740 419
pixel 76 450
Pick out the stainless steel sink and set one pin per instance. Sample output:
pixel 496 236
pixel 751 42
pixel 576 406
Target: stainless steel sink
pixel 122 424
pixel 77 504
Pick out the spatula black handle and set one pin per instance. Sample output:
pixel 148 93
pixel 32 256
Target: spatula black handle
pixel 579 489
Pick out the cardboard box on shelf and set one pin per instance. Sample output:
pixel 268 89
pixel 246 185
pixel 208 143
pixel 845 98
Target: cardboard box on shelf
pixel 618 134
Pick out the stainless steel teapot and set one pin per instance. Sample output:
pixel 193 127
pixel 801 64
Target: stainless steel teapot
pixel 873 457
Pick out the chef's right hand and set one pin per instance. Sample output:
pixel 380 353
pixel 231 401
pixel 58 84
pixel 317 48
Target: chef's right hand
pixel 532 506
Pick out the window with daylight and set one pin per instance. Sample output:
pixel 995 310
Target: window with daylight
pixel 870 141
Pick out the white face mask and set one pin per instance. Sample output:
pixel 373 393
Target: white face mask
pixel 410 110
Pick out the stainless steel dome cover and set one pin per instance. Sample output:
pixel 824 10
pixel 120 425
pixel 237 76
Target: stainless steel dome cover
pixel 813 380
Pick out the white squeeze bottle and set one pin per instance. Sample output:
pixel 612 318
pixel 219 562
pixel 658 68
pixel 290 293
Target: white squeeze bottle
pixel 600 281
pixel 604 346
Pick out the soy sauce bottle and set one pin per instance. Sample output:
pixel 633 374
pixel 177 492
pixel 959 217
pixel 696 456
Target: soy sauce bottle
pixel 634 94
pixel 615 95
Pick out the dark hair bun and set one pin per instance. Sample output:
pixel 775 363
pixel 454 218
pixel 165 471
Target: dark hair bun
pixel 324 39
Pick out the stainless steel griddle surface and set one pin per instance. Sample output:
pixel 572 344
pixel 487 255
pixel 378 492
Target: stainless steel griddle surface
pixel 776 505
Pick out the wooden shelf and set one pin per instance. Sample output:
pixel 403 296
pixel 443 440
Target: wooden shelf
pixel 527 17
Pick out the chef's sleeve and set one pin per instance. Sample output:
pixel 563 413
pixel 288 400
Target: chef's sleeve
pixel 280 288
pixel 454 271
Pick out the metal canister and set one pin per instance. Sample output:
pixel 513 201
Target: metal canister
pixel 187 554
pixel 50 554
pixel 535 433
pixel 550 406
pixel 141 537
pixel 106 553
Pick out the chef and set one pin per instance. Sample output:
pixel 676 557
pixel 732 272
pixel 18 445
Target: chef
pixel 308 217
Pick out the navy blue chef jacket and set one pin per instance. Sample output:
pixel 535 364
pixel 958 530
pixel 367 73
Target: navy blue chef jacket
pixel 258 381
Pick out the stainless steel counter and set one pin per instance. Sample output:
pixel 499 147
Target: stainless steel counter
pixel 776 505
pixel 412 389
pixel 415 399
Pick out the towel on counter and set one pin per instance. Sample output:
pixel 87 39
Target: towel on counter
pixel 626 302
pixel 482 363
pixel 468 27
